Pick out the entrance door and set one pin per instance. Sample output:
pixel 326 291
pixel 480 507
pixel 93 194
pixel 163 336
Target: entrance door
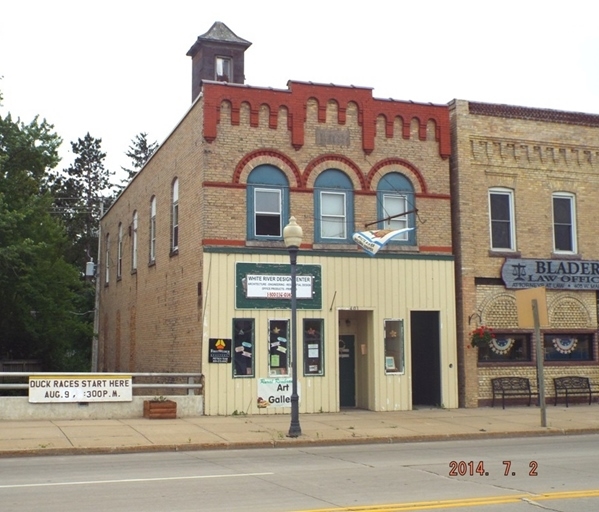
pixel 426 358
pixel 347 371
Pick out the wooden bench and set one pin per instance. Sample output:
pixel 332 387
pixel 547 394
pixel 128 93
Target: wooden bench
pixel 572 385
pixel 511 386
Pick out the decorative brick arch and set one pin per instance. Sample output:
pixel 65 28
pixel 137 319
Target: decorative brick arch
pixel 266 156
pixel 568 312
pixel 500 311
pixel 403 163
pixel 332 159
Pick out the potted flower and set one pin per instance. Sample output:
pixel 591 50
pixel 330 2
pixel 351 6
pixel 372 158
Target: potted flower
pixel 481 336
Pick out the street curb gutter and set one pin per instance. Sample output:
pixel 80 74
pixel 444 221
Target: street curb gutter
pixel 292 443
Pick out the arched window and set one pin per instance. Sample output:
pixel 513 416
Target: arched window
pixel 153 229
pixel 134 242
pixel 268 203
pixel 333 208
pixel 175 216
pixel 396 206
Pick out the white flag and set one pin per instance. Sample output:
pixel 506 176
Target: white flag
pixel 372 241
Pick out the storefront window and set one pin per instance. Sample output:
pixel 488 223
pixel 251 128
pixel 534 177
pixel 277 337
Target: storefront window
pixel 394 357
pixel 243 347
pixel 568 347
pixel 278 346
pixel 313 347
pixel 506 348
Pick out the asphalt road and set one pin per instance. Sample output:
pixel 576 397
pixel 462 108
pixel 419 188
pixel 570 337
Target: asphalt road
pixel 525 474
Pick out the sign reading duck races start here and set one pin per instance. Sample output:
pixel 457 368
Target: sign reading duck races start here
pixel 75 388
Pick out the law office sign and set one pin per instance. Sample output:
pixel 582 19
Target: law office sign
pixel 552 274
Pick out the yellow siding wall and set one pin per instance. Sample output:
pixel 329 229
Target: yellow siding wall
pixel 381 288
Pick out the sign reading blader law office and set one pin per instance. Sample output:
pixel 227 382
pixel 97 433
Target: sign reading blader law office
pixel 552 274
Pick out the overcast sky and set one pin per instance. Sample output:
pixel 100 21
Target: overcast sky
pixel 117 68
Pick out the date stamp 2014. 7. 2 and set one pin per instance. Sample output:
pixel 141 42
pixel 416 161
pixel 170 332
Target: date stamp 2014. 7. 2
pixel 477 468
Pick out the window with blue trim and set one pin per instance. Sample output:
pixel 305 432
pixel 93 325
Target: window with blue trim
pixel 395 196
pixel 333 207
pixel 267 200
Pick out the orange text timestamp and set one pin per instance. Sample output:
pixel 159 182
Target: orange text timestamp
pixel 474 468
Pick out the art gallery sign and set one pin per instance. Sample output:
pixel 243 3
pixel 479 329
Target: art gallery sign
pixel 552 274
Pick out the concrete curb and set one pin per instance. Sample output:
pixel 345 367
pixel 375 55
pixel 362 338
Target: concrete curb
pixel 292 443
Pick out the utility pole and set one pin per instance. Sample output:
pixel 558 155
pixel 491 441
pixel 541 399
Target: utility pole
pixel 95 339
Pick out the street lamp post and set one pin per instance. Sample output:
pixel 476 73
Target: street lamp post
pixel 292 234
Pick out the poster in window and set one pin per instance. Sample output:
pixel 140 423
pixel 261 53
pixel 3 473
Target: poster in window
pixel 243 347
pixel 278 344
pixel 394 357
pixel 313 346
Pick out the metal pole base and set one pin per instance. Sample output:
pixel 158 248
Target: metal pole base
pixel 294 428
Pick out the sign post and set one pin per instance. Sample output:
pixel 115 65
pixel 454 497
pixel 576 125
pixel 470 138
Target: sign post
pixel 540 366
pixel 533 300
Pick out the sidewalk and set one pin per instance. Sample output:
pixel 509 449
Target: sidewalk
pixel 52 437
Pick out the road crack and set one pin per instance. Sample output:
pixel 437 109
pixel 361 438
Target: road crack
pixel 535 504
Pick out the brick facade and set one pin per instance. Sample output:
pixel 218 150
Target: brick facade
pixel 534 153
pixel 154 317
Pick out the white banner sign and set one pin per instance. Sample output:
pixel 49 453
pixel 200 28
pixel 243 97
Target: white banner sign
pixel 93 388
pixel 277 286
pixel 372 241
pixel 275 392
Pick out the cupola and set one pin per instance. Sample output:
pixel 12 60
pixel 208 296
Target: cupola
pixel 217 55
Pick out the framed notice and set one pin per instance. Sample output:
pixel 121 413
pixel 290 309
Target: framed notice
pixel 219 350
pixel 268 286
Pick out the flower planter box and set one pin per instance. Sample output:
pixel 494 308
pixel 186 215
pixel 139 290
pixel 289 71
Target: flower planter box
pixel 160 409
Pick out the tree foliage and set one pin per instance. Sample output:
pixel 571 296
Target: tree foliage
pixel 81 192
pixel 139 152
pixel 43 300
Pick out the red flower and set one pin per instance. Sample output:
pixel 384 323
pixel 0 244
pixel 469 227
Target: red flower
pixel 481 336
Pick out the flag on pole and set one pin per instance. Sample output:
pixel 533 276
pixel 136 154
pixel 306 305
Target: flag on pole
pixel 372 241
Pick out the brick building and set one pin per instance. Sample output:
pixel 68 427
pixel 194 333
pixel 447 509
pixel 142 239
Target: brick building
pixel 525 185
pixel 195 271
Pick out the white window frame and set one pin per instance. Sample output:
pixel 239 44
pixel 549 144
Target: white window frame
pixel 153 229
pixel 119 253
pixel 398 221
pixel 572 199
pixel 107 260
pixel 512 220
pixel 278 214
pixel 134 241
pixel 219 66
pixel 175 217
pixel 331 217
